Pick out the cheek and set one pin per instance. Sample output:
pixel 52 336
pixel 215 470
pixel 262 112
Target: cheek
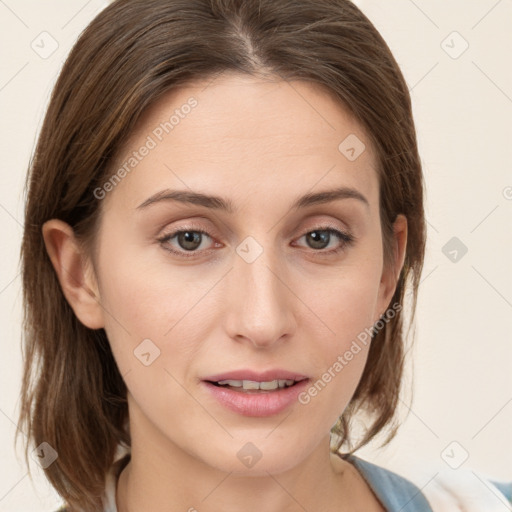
pixel 344 302
pixel 153 334
pixel 139 301
pixel 145 297
pixel 341 327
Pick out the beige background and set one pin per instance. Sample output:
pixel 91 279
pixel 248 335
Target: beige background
pixel 463 107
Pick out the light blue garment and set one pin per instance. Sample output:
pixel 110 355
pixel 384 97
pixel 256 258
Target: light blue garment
pixel 398 494
pixel 395 492
pixel 505 488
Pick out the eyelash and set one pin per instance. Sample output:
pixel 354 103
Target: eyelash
pixel 345 238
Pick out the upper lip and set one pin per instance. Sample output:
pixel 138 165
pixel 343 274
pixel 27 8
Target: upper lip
pixel 266 376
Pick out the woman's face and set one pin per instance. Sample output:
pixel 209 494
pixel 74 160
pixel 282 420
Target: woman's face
pixel 255 284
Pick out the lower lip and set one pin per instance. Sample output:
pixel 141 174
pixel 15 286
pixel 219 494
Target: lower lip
pixel 262 403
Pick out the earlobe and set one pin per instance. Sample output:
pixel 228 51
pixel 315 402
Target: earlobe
pixel 74 272
pixel 391 274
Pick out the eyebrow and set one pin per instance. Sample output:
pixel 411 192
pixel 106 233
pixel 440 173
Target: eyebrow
pixel 219 203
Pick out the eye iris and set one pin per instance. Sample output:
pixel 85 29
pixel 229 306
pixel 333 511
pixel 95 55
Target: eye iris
pixel 191 240
pixel 320 239
pixel 189 237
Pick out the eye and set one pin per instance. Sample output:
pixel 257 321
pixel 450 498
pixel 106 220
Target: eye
pixel 188 240
pixel 321 237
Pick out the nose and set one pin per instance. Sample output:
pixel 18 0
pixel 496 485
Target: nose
pixel 260 305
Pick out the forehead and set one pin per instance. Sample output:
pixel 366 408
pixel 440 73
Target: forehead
pixel 241 130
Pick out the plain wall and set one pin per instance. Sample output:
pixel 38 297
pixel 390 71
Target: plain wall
pixel 463 107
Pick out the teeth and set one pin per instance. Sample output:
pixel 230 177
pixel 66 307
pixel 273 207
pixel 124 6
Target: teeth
pixel 232 383
pixel 251 384
pixel 270 385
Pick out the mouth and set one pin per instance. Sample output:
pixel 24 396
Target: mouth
pixel 253 386
pixel 256 394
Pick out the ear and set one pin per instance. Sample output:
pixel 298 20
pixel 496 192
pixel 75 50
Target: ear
pixel 74 271
pixel 391 272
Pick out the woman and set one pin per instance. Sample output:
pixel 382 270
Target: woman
pixel 225 210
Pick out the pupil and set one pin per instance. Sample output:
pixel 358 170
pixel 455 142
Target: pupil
pixel 320 239
pixel 189 237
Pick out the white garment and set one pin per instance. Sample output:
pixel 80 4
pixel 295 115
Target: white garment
pixel 465 491
pixel 109 498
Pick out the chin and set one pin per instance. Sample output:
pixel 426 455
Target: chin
pixel 258 457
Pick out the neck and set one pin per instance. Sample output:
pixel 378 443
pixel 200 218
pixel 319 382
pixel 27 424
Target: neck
pixel 161 477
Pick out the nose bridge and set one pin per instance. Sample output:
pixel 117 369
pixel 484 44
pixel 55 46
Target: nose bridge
pixel 260 305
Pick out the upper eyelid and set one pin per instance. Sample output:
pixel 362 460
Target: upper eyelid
pixel 193 225
pixel 320 227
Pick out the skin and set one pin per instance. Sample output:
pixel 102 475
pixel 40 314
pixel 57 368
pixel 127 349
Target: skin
pixel 261 144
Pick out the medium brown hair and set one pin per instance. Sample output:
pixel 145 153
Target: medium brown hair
pixel 132 53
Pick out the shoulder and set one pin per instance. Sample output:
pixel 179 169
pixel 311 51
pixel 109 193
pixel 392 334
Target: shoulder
pixel 396 492
pixel 436 489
